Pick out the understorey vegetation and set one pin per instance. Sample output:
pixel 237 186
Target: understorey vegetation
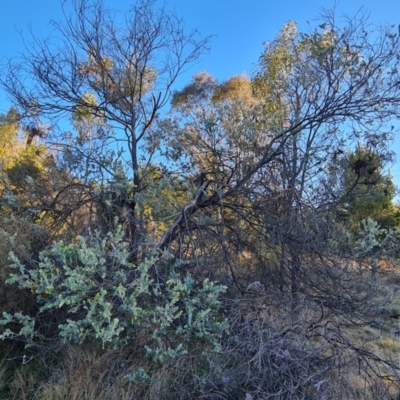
pixel 243 245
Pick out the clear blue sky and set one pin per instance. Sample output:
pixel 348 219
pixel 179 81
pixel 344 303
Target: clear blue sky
pixel 240 26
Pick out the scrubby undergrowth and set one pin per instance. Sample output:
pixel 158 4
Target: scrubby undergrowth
pixel 178 339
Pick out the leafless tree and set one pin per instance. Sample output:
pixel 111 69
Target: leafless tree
pixel 108 68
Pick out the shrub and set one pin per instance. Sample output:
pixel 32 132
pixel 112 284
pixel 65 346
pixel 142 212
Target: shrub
pixel 93 292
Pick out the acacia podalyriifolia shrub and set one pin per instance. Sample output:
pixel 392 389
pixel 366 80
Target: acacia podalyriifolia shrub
pixel 96 293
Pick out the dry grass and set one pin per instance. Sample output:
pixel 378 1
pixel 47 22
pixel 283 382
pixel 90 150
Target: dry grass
pixel 86 373
pixel 265 358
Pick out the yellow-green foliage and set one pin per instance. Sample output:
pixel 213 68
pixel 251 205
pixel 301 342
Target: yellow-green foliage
pixel 271 83
pixel 8 136
pixel 29 167
pixel 201 88
pixel 30 180
pixel 236 88
pixel 23 165
pixel 205 87
pixel 163 197
pixel 85 110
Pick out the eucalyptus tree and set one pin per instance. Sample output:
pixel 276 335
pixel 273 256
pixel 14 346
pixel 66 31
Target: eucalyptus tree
pixel 259 152
pixel 314 96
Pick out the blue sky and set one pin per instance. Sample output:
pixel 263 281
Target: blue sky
pixel 240 28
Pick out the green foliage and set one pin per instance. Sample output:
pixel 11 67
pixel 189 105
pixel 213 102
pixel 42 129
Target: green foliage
pixel 104 297
pixel 24 167
pixel 24 179
pixel 163 196
pixel 27 169
pixel 376 242
pixel 214 130
pixel 8 135
pixel 84 111
pixel 277 62
pixel 367 191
